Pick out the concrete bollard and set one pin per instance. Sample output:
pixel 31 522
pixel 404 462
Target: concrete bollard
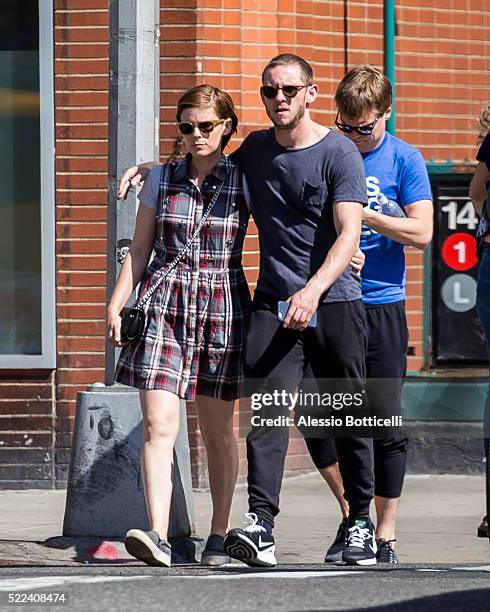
pixel 105 494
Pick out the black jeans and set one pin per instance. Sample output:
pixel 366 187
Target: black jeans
pixel 335 349
pixel 386 359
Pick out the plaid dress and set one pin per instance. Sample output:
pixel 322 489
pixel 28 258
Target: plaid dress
pixel 196 320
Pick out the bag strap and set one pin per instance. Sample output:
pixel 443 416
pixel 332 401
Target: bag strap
pixel 151 290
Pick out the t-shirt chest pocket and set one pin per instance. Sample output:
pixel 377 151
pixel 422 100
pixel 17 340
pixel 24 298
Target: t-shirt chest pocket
pixel 313 197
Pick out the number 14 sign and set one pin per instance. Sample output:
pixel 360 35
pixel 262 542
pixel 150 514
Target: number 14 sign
pixel 458 252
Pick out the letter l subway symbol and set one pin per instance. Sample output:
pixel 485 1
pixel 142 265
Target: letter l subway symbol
pixel 458 298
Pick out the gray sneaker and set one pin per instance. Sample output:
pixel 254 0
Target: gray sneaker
pixel 214 553
pixel 148 547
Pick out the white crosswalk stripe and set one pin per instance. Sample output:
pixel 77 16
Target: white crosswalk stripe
pixel 271 575
pixel 45 582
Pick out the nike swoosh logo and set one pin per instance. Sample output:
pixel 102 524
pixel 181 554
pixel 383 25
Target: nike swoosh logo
pixel 263 545
pixel 373 549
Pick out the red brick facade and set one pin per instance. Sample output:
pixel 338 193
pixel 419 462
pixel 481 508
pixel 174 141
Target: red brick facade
pixel 442 67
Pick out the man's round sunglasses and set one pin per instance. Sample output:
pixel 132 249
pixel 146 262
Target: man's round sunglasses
pixel 363 130
pixel 205 127
pixel 289 91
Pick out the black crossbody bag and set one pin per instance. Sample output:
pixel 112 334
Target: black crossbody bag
pixel 133 318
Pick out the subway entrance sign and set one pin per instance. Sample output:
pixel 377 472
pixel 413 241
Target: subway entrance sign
pixel 457 335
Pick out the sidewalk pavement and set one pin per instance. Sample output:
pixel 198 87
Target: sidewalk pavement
pixel 437 523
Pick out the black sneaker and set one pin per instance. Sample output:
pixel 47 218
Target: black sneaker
pixel 361 543
pixel 147 546
pixel 334 553
pixel 252 545
pixel 385 553
pixel 213 553
pixel 482 531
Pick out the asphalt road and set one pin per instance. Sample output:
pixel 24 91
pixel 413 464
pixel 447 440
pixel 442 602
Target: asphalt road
pixel 290 587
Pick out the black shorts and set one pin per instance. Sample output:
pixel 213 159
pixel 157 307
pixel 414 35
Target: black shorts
pixel 386 359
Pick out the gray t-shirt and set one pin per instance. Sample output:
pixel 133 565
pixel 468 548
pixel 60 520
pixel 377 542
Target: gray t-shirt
pixel 151 187
pixel 292 196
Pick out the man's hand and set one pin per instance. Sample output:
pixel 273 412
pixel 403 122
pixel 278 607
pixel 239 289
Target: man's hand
pixel 368 214
pixel 357 262
pixel 131 178
pixel 302 306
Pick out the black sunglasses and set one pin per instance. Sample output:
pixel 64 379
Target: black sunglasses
pixel 289 91
pixel 205 127
pixel 363 130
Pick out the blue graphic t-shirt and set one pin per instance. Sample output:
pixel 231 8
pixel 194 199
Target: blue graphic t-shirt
pixel 397 171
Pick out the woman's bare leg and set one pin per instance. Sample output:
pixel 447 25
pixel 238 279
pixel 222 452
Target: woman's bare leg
pixel 216 424
pixel 386 509
pixel 160 427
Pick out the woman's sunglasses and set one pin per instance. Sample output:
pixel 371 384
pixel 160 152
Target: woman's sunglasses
pixel 205 127
pixel 289 91
pixel 363 130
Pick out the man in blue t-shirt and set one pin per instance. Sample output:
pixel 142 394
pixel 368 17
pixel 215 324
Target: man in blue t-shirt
pixel 399 213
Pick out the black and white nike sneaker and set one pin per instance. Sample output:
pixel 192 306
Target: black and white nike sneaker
pixel 334 553
pixel 252 545
pixel 361 543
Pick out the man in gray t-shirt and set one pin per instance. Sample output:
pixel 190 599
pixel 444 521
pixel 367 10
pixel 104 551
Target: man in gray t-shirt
pixel 307 190
pixel 293 199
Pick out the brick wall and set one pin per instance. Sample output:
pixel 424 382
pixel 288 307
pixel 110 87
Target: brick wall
pixel 81 98
pixel 441 57
pixel 27 430
pixel 442 66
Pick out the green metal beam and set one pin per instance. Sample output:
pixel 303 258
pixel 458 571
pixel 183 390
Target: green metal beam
pixel 389 54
